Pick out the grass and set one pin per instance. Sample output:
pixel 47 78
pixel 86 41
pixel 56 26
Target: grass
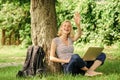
pixel 0 35
pixel 12 54
pixel 111 72
pixel 111 67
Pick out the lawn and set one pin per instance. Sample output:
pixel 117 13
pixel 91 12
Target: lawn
pixel 16 54
pixel 12 54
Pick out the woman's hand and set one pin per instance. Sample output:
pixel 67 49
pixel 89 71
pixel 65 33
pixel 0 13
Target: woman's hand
pixel 77 19
pixel 67 60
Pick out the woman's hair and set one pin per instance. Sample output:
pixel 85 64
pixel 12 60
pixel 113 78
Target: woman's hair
pixel 71 34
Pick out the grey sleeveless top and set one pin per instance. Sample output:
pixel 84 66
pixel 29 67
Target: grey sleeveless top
pixel 64 51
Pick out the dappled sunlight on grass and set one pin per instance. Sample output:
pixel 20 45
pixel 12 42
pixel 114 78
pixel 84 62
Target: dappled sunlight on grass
pixel 113 52
pixel 9 50
pixel 12 54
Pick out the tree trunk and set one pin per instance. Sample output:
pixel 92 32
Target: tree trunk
pixel 3 37
pixel 18 40
pixel 10 37
pixel 44 27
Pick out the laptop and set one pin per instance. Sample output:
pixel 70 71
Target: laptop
pixel 92 53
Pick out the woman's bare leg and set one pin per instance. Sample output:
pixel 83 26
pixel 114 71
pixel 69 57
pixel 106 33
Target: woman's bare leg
pixel 95 65
pixel 84 68
pixel 91 71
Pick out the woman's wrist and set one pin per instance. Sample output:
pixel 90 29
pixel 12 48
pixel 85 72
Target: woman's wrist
pixel 79 28
pixel 67 60
pixel 77 25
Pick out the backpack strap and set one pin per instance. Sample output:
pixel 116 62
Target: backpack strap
pixel 35 50
pixel 40 58
pixel 40 67
pixel 28 57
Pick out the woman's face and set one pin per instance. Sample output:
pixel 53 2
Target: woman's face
pixel 66 28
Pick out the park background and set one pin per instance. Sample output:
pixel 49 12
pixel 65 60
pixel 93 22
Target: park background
pixel 100 23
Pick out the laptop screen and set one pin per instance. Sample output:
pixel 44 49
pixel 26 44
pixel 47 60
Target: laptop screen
pixel 92 53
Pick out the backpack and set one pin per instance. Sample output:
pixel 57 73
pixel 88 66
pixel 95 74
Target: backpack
pixel 34 62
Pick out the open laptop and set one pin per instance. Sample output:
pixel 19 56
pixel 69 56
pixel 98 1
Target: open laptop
pixel 92 53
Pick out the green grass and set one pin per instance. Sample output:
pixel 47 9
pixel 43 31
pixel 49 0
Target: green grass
pixel 111 67
pixel 0 35
pixel 111 70
pixel 12 54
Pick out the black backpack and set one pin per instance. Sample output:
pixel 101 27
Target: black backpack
pixel 34 62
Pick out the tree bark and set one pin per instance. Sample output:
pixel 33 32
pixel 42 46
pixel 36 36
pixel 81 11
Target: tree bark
pixel 9 40
pixel 3 37
pixel 44 27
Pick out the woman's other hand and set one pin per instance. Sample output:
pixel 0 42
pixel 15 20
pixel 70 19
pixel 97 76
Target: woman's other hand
pixel 77 19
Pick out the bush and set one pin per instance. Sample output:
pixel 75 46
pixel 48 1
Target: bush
pixel 100 20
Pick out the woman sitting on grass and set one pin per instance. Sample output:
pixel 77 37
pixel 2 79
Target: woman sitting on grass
pixel 63 46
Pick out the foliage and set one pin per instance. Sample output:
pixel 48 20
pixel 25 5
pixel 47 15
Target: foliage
pixel 15 18
pixel 100 20
pixel 64 10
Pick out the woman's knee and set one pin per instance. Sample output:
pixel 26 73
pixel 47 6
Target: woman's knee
pixel 76 56
pixel 102 57
pixel 79 60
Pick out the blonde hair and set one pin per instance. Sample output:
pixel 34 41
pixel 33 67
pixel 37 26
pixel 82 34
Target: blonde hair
pixel 71 34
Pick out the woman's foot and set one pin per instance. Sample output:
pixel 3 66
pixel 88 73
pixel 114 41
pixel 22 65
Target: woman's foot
pixel 92 73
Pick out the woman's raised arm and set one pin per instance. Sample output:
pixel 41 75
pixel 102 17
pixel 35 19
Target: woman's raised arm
pixel 77 22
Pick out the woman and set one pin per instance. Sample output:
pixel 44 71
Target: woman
pixel 63 46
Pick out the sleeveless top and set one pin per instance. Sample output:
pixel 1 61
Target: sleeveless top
pixel 64 51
